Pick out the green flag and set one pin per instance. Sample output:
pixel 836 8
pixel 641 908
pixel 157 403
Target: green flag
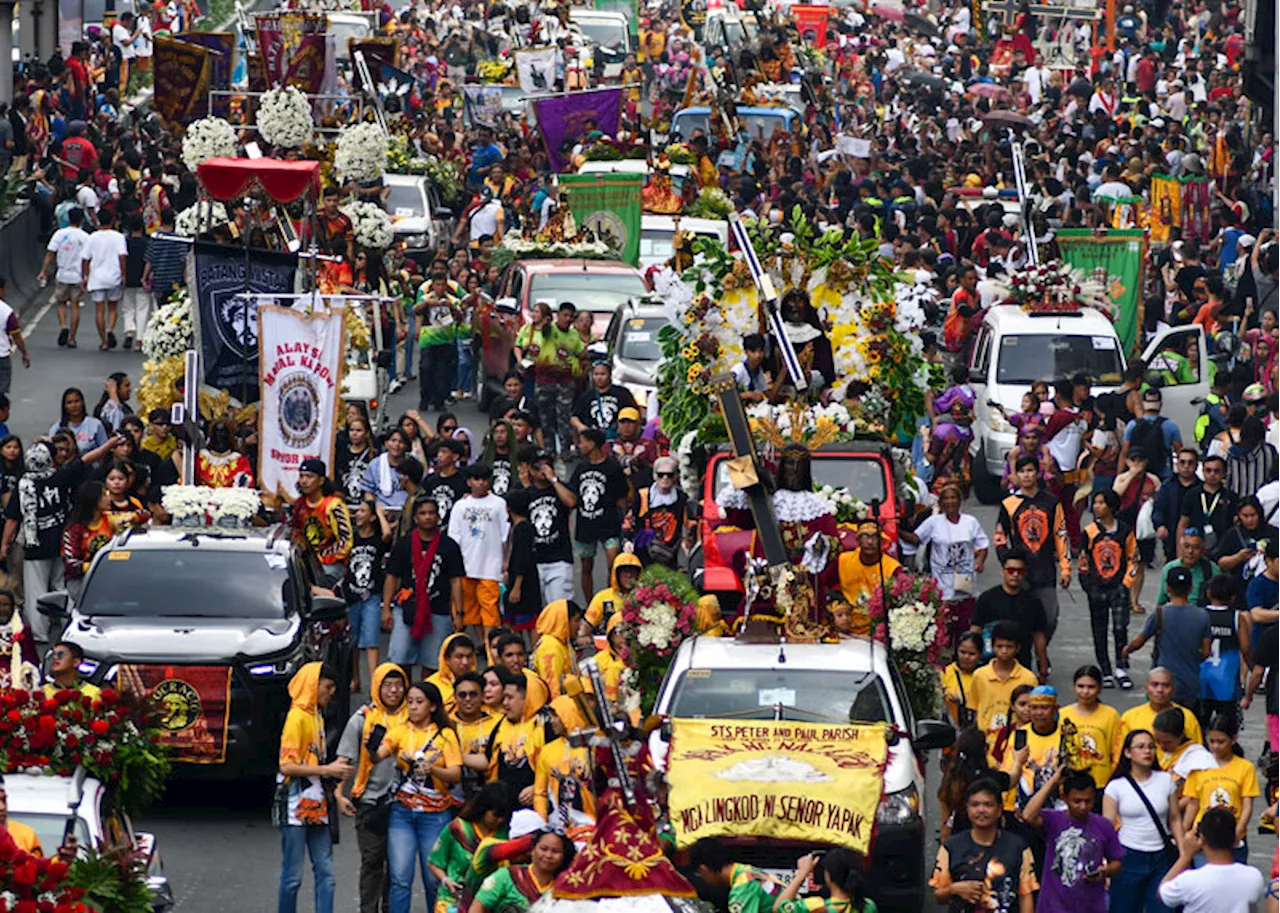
pixel 609 206
pixel 1115 258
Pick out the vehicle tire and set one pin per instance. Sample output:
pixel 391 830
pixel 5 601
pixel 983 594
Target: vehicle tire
pixel 986 487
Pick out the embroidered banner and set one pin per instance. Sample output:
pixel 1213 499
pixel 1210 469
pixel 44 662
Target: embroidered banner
pixel 182 78
pixel 813 782
pixel 222 59
pixel 608 205
pixel 563 120
pixel 195 707
pixel 1116 260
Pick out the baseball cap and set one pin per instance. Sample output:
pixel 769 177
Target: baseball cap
pixel 629 414
pixel 1179 577
pixel 1245 242
pixel 1152 398
pixel 313 466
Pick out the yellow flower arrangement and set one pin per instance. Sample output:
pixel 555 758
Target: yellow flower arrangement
pixel 158 388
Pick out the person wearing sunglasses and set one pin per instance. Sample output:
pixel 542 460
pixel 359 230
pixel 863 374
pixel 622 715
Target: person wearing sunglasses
pixel 474 724
pixel 64 672
pixel 1011 601
pixel 661 516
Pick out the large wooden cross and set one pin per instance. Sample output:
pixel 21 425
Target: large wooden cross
pixel 1007 10
pixel 744 450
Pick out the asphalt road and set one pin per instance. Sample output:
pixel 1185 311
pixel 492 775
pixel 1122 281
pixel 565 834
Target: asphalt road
pixel 219 848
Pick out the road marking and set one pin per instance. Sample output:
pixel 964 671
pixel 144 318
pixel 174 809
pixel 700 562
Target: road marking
pixel 35 321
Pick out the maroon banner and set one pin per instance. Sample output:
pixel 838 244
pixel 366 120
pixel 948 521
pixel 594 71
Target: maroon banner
pixel 811 23
pixel 292 46
pixel 182 72
pixel 222 48
pixel 194 705
pixel 377 52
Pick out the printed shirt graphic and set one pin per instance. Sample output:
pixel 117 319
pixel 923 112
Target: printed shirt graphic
pixel 425 747
pixel 550 520
pixel 1075 850
pixel 480 527
pixel 598 486
pixel 558 355
pixel 1005 868
pixel 1222 787
pixel 364 567
pixel 301 742
pixel 501 483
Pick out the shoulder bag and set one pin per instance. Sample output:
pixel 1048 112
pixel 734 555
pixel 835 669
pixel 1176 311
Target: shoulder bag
pixel 1170 850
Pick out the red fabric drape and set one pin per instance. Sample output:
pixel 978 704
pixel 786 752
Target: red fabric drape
pixel 228 178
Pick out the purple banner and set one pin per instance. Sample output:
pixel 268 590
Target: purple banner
pixel 221 60
pixel 562 119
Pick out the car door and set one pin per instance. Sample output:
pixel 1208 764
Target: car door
pixel 1183 390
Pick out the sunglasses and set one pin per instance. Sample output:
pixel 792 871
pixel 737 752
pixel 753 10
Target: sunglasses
pixel 665 475
pixel 61 654
pixel 466 695
pixel 1015 571
pixel 448 429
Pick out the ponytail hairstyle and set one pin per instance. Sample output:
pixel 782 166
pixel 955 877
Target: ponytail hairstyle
pixel 967 763
pixel 844 870
pixel 1228 724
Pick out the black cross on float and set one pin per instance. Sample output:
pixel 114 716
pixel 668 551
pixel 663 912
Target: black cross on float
pixel 1007 10
pixel 744 449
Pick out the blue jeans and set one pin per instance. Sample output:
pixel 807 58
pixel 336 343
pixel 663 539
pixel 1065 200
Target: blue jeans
pixel 464 374
pixel 294 841
pixel 1134 888
pixel 411 836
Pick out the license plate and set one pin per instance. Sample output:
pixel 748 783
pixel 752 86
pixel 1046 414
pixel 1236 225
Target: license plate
pixel 783 876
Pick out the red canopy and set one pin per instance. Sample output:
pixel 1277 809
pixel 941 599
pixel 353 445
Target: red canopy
pixel 284 182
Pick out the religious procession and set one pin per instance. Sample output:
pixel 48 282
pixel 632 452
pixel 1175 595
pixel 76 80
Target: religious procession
pixel 657 455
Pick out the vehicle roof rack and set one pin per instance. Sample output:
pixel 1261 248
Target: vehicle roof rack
pixel 276 532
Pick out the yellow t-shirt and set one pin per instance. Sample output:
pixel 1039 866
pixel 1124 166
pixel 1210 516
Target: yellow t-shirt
pixel 955 690
pixel 420 790
pixel 552 661
pixel 557 763
pixel 472 737
pixel 858 579
pixel 92 692
pixel 24 837
pixel 302 742
pixel 989 695
pixel 596 608
pixel 1143 717
pixel 1099 735
pixel 1222 787
pixel 516 746
pixel 1042 761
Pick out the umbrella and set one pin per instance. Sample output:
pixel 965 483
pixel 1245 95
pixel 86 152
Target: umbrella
pixel 1001 117
pixel 922 24
pixel 921 78
pixel 888 9
pixel 987 90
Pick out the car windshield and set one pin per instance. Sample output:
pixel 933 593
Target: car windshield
pixel 819 695
pixel 50 828
pixel 199 581
pixel 639 340
pixel 656 242
pixel 762 126
pixel 862 475
pixel 1024 359
pixel 405 200
pixel 589 290
pixel 609 35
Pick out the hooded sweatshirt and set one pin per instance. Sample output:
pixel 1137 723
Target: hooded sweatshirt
pixel 442 678
pixel 553 657
pixel 302 742
pixel 563 773
pixel 612 593
pixel 513 748
pixel 376 779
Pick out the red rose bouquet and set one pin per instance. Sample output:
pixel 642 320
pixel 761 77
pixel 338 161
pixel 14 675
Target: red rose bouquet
pixel 31 884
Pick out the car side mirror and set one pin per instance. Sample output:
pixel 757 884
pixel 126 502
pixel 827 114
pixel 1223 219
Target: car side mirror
pixel 53 605
pixel 327 608
pixel 932 734
pixel 976 376
pixel 507 305
pixel 598 349
pixel 442 212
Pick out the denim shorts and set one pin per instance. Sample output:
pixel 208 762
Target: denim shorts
pixel 404 651
pixel 366 622
pixel 588 549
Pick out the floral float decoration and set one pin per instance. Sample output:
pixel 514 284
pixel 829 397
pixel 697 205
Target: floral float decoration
pixel 170 333
pixel 403 158
pixel 1056 286
pixel 284 117
pixel 198 505
pixel 371 225
pixel 199 218
pixel 494 70
pixel 34 883
pixel 908 620
pixel 362 152
pixel 659 614
pixel 206 138
pixel 114 737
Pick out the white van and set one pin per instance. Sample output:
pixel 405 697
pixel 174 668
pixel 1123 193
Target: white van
pixel 679 173
pixel 1014 348
pixel 657 233
pixel 609 32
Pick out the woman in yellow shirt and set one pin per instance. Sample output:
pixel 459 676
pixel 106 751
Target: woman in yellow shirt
pixel 1098 725
pixel 553 656
pixel 958 676
pixel 563 775
pixel 1232 784
pixel 429 762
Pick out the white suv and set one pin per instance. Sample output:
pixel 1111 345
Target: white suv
pixel 852 681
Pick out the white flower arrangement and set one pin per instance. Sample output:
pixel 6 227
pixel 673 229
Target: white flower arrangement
pixel 206 138
pixel 589 249
pixel 629 691
pixel 186 504
pixel 658 630
pixel 284 117
pixel 1066 285
pixel 690 481
pixel 171 330
pixel 199 505
pixel 371 224
pixel 910 299
pixel 199 218
pixel 239 505
pixel 912 627
pixel 842 503
pixel 781 416
pixel 361 153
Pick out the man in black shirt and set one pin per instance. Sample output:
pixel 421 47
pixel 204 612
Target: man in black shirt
pixel 599 406
pixel 549 503
pixel 1211 506
pixel 1011 602
pixel 446 486
pixel 429 564
pixel 599 488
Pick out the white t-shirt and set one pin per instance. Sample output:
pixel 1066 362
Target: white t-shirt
pixel 480 527
pixel 950 548
pixel 8 324
pixel 103 251
pixel 142 44
pixel 67 243
pixel 120 37
pixel 1231 888
pixel 87 199
pixel 1137 830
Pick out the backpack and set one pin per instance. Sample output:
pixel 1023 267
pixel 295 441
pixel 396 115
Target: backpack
pixel 1149 437
pixel 1212 420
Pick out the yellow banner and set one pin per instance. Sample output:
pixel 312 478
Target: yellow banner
pixel 782 780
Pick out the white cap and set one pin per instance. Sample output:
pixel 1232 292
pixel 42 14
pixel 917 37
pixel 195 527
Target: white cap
pixel 1246 241
pixel 525 821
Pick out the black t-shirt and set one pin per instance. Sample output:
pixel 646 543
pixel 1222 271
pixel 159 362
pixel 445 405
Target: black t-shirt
pixel 364 567
pixel 599 409
pixel 504 477
pixel 1023 607
pixel 53 504
pixel 1000 866
pixel 446 566
pixel 445 491
pixel 1267 649
pixel 522 565
pixel 348 471
pixel 550 520
pixel 1211 513
pixel 136 261
pixel 598 487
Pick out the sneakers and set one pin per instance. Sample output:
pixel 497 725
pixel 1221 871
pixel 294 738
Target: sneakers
pixel 111 340
pixel 128 341
pixel 1108 681
pixel 63 335
pixel 1122 677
